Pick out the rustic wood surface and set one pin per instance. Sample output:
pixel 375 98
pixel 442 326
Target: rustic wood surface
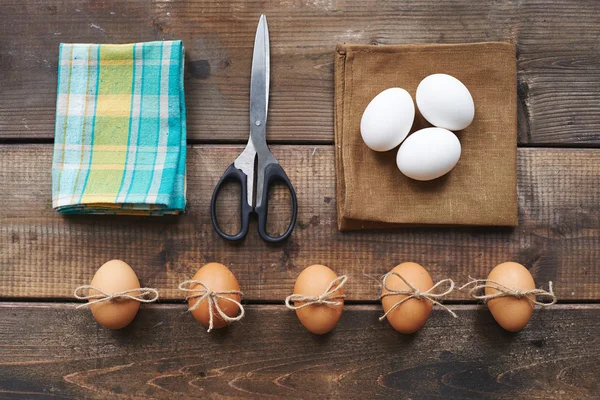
pixel 48 255
pixel 52 350
pixel 557 41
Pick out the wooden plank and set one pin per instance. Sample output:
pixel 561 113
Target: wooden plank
pixel 46 255
pixel 53 350
pixel 557 43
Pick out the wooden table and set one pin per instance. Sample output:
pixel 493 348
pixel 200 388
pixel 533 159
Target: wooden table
pixel 49 349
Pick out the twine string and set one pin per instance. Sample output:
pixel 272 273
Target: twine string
pixel 327 298
pixel 505 291
pixel 144 295
pixel 414 293
pixel 212 297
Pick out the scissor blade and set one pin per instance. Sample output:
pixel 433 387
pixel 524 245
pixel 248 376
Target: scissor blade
pixel 259 83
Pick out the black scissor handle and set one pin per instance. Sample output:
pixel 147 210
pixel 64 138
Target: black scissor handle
pixel 236 175
pixel 273 173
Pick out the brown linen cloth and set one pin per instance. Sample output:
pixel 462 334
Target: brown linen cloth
pixel 481 190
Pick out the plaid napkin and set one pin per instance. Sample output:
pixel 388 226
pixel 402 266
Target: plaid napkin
pixel 120 131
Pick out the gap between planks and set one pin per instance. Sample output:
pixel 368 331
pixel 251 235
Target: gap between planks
pixel 315 142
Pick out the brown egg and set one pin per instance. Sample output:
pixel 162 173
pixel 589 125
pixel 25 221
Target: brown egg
pixel 411 315
pixel 511 313
pixel 312 282
pixel 113 277
pixel 218 278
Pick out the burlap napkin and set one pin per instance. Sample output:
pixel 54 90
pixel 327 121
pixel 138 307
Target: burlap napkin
pixel 480 190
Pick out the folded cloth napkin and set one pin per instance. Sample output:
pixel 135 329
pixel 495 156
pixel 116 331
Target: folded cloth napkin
pixel 480 190
pixel 120 134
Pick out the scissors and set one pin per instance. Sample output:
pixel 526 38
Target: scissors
pixel 255 168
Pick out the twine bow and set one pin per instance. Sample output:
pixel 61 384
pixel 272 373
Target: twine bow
pixel 327 298
pixel 141 296
pixel 414 293
pixel 504 291
pixel 204 293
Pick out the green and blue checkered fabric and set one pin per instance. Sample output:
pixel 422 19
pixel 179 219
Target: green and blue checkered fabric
pixel 120 134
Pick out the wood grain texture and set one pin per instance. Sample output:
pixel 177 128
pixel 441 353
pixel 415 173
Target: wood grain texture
pixel 558 47
pixel 46 255
pixel 55 351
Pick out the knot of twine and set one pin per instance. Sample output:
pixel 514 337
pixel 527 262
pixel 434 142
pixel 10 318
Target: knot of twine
pixel 504 291
pixel 327 298
pixel 141 296
pixel 204 293
pixel 414 293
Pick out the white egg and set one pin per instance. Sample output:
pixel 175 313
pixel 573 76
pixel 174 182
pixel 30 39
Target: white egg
pixel 445 102
pixel 387 119
pixel 428 154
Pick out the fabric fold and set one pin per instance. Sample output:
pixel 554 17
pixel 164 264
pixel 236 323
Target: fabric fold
pixel 120 132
